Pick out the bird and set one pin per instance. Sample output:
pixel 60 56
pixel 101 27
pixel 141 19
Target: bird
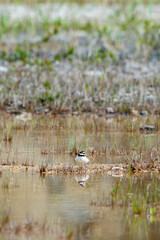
pixel 82 180
pixel 81 158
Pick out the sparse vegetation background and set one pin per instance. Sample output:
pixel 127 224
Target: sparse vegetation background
pixel 80 57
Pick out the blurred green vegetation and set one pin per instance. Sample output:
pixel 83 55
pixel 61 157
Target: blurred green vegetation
pixel 31 2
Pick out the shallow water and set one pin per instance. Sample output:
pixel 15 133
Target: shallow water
pixel 61 200
pixel 49 146
pixel 75 205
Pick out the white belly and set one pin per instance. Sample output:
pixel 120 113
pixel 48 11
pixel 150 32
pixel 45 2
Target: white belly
pixel 81 159
pixel 82 178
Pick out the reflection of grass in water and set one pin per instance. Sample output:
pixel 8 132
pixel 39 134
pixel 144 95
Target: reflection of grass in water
pixel 140 204
pixel 7 225
pixel 4 219
pixel 138 227
pixel 7 131
pixel 72 144
pixel 9 183
pixel 128 142
pixel 28 227
pixel 141 200
pixel 86 124
pixel 76 144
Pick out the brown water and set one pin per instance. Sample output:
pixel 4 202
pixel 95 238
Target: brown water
pixel 61 201
pixel 49 146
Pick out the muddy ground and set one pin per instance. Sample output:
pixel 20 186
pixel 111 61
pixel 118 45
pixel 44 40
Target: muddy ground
pixel 97 67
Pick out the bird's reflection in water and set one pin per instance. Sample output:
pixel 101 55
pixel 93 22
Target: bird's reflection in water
pixel 82 180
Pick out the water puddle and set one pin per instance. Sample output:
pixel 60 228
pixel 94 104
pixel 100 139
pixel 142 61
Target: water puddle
pixel 49 146
pixel 89 206
pixel 66 201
